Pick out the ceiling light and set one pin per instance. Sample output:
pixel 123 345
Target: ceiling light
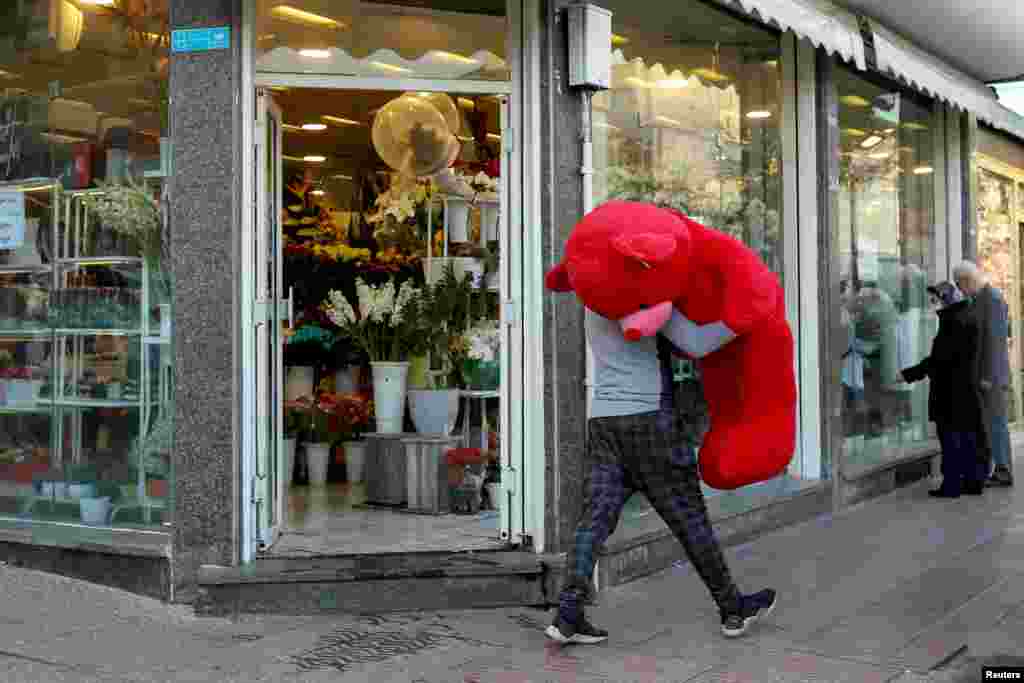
pixel 318 193
pixel 451 56
pixel 710 75
pixel 315 54
pixel 759 114
pixel 854 132
pixel 342 176
pixel 672 83
pixel 872 141
pixel 314 159
pixel 314 126
pixel 772 63
pixel 392 68
pixel 619 41
pixel 98 3
pixel 880 156
pixel 854 101
pixel 295 15
pixel 889 131
pixel 339 121
pixel 923 170
pixel 9 76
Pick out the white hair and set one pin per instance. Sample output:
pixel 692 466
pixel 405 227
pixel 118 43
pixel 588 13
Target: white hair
pixel 968 270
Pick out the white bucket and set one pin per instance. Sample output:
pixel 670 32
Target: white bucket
pixel 355 460
pixel 95 510
pixel 457 217
pixel 434 411
pixel 390 382
pixel 318 456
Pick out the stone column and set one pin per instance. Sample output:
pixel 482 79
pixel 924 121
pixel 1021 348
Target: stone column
pixel 565 352
pixel 205 205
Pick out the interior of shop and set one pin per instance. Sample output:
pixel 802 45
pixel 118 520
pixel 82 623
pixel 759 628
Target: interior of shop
pixel 348 214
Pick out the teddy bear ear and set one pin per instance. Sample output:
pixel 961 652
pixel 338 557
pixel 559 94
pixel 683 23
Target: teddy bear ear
pixel 646 248
pixel 557 279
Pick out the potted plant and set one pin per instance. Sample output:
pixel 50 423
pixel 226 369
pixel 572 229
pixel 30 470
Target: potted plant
pixel 482 363
pixel 441 310
pixel 349 416
pixel 318 449
pixel 382 329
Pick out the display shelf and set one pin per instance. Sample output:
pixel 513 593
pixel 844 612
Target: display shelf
pixel 41 334
pixel 100 261
pixel 37 407
pixel 97 332
pixel 17 270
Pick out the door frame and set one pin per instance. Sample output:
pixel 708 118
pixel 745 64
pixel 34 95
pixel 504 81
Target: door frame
pixel 521 310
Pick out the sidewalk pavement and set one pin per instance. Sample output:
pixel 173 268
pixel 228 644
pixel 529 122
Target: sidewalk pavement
pixel 904 589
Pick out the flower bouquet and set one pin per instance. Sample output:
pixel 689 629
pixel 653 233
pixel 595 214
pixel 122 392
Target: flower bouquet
pixel 482 348
pixel 348 415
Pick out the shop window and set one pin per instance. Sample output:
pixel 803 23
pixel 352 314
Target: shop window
pixel 439 39
pixel 85 360
pixel 885 249
pixel 693 122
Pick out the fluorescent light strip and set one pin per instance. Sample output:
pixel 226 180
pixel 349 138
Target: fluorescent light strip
pixel 315 54
pixel 314 159
pixel 759 115
pixel 337 120
pixel 293 14
pixel 314 127
pixel 391 67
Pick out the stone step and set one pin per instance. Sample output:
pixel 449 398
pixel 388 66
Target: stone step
pixel 379 583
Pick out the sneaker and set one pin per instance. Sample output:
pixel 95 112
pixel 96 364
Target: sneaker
pixel 580 633
pixel 754 607
pixel 1000 477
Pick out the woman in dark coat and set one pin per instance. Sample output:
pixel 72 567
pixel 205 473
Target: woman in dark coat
pixel 954 396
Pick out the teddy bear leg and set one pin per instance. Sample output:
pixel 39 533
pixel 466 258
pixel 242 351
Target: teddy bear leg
pixel 751 395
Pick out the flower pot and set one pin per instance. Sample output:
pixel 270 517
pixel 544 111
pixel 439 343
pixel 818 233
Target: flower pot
pixel 389 391
pixel 493 492
pixel 490 213
pixel 82 490
pixel 355 460
pixel 457 218
pixel 481 375
pixel 286 464
pixel 299 382
pixel 95 511
pixel 318 455
pixel 434 411
pixel 23 390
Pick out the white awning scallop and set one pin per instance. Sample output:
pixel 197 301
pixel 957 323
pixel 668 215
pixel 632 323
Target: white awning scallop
pixel 825 24
pixel 901 59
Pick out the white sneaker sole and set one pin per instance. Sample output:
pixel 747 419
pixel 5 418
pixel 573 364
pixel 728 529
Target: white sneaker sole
pixel 578 638
pixel 750 621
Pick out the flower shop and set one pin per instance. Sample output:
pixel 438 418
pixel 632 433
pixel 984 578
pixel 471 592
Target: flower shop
pixel 392 352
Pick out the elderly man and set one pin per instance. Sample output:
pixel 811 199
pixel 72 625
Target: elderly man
pixel 993 318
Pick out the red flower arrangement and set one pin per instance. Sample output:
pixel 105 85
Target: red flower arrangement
pixel 348 414
pixel 16 373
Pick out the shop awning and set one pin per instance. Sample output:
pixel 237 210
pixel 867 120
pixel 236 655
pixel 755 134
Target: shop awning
pixel 825 24
pixel 926 73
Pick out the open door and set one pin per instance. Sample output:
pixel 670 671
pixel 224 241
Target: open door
pixel 270 310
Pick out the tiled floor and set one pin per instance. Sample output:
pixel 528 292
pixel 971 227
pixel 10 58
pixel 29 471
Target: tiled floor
pixel 331 520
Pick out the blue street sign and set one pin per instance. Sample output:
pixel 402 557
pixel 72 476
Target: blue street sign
pixel 201 39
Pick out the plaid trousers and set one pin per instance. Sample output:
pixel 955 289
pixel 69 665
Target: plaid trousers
pixel 647 453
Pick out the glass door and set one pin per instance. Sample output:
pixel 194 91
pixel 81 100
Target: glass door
pixel 270 310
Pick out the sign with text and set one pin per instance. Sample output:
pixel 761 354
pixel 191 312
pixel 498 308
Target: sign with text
pixel 201 39
pixel 12 219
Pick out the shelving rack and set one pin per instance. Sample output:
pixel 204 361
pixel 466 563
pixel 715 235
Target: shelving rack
pixel 68 344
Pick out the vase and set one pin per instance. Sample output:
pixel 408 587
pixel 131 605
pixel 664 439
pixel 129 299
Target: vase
pixel 390 381
pixel 490 214
pixel 355 460
pixel 457 217
pixel 318 455
pixel 286 464
pixel 482 375
pixel 299 382
pixel 95 511
pixel 434 411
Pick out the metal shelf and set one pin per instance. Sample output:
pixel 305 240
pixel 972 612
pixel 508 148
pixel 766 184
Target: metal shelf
pixel 96 332
pixel 14 270
pixel 31 335
pixel 100 261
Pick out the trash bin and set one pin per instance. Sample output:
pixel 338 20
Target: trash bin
pixel 427 473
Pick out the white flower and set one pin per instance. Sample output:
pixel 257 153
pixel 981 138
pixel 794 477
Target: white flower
pixel 366 298
pixel 405 295
pixel 384 303
pixel 340 311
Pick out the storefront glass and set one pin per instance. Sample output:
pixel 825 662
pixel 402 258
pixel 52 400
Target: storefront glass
pixel 85 363
pixel 693 121
pixel 439 39
pixel 1000 170
pixel 886 256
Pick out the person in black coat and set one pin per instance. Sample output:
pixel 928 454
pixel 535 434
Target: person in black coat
pixel 954 395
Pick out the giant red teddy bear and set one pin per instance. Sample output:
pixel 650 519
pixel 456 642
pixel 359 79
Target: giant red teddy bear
pixel 633 262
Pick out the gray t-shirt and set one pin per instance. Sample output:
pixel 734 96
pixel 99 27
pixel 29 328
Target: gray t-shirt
pixel 627 375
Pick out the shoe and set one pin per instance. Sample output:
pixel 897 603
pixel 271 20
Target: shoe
pixel 1000 477
pixel 580 633
pixel 940 493
pixel 753 608
pixel 975 489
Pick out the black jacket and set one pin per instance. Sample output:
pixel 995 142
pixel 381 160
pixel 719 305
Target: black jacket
pixel 954 396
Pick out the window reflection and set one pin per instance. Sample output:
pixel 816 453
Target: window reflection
pixel 436 39
pixel 886 250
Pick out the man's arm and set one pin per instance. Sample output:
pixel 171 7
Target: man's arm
pixel 696 341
